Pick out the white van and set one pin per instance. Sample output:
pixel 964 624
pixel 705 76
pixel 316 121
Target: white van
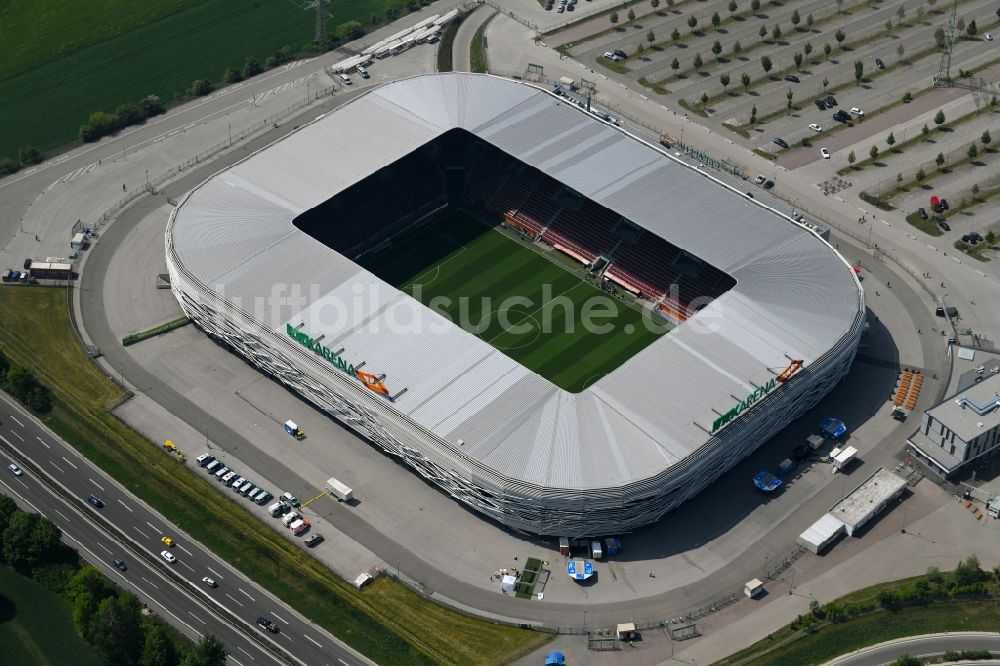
pixel 346 79
pixel 222 472
pixel 290 518
pixel 213 466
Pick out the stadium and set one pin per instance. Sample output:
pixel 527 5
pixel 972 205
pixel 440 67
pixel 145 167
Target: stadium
pixel 422 263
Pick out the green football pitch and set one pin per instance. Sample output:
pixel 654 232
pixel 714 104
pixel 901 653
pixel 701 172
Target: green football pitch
pixel 529 305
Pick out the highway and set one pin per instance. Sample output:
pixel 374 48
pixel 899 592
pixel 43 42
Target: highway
pixel 126 528
pixel 930 645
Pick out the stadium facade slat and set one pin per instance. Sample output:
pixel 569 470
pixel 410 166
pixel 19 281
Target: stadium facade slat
pixel 617 455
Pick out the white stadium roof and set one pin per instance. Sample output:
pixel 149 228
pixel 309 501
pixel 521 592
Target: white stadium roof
pixel 794 298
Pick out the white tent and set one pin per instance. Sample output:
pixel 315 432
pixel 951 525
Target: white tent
pixel 508 582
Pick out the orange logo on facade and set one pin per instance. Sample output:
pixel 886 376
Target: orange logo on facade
pixel 787 373
pixel 372 382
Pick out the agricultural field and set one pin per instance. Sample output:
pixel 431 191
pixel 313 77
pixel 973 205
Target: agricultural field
pixel 65 60
pixel 526 304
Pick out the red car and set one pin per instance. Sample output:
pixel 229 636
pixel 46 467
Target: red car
pixel 936 204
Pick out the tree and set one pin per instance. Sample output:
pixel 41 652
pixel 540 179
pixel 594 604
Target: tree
pixel 724 80
pixel 252 67
pixel 797 59
pixel 639 48
pixel 716 49
pixel 675 64
pixel 650 36
pixel 809 22
pixel 762 32
pixel 631 15
pixel 991 237
pixel 888 25
pixel 745 80
pixel 939 118
pixel 716 20
pixel 29 539
pixel 755 6
pixel 807 48
pixel 776 32
pixel 925 130
pixel 851 157
pixel 753 114
pixel 116 631
pixel 907 660
pixel 840 37
pixel 985 139
pixel 960 26
pixel 939 37
pixel 614 19
pixel 975 190
pixel 232 75
pixel 692 22
pixel 766 64
pixel 704 98
pixel 655 4
pixel 973 152
pixel 840 5
pixel 157 648
pixel 901 13
pixel 827 49
pixel 971 30
pixel 873 152
pixel 788 96
pixel 859 71
pixel 675 35
pixel 200 88
pixel 697 62
pixel 737 47
pixel 891 140
pixel 907 97
pixel 30 155
pixel 150 106
pixel 209 651
pixel 733 7
pixel 939 160
pixel 968 570
pixel 826 82
pixel 128 114
pixel 796 19
pixel 900 50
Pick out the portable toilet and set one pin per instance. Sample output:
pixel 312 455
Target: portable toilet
pixel 596 549
pixel 564 545
pixel 753 588
pixel 555 659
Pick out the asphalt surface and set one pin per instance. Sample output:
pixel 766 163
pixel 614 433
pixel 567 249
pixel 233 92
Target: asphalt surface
pixel 919 646
pixel 57 482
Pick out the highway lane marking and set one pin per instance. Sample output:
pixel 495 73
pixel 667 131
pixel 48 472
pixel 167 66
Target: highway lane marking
pixel 232 597
pixel 154 527
pixel 279 617
pixel 126 506
pixel 96 484
pixel 56 466
pixel 343 662
pixel 105 548
pixel 43 442
pixel 140 531
pixel 65 517
pixel 312 641
pixel 14 419
pixel 248 596
pixel 246 653
pixel 217 574
pixel 235 659
pixel 197 618
pixel 187 565
pixel 16 435
pixel 187 551
pixel 150 582
pixel 68 462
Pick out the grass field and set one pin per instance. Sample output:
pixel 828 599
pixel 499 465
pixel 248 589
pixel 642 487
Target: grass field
pixel 387 622
pixel 64 60
pixel 523 303
pixel 36 626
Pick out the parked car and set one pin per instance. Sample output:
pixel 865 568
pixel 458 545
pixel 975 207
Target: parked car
pixel 944 225
pixel 96 501
pixel 976 237
pixel 792 78
pixel 618 52
pixel 820 104
pixel 14 468
pixel 831 101
pixel 208 581
pixel 313 539
pixel 611 56
pixel 879 63
pixel 204 459
pixel 121 565
pixel 168 556
pixel 922 213
pixel 988 36
pixel 364 72
pixel 944 204
pixel 814 127
pixel 759 180
pixel 781 142
pixel 768 184
pixel 824 153
pixel 750 195
pixel 856 111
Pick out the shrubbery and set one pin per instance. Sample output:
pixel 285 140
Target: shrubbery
pixel 101 124
pixel 20 382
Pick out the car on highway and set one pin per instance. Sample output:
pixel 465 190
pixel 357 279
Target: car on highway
pixel 824 153
pixel 96 501
pixel 831 101
pixel 121 565
pixel 168 556
pixel 879 63
pixel 168 542
pixel 313 540
pixel 750 194
pixel 814 127
pixel 266 624
pixel 922 213
pixel 14 468
pixel 792 78
pixel 856 111
pixel 210 582
pixel 781 142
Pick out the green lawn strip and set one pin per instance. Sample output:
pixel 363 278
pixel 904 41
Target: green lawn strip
pixel 614 28
pixel 36 330
pixel 928 226
pixel 974 251
pixel 36 626
pixel 117 53
pixel 908 185
pixel 477 50
pixel 445 54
